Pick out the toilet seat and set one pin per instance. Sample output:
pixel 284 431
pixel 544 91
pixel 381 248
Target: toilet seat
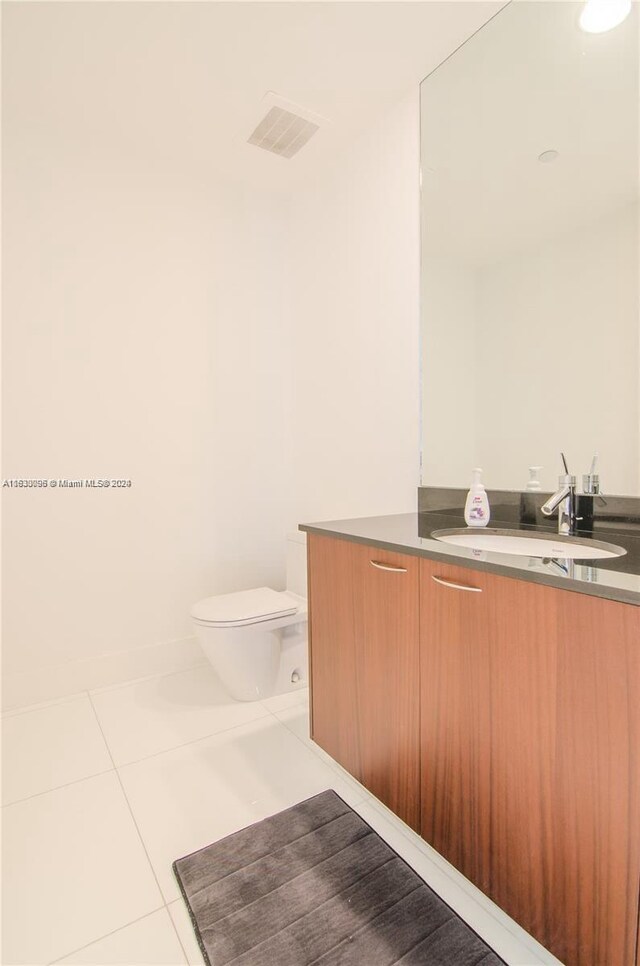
pixel 244 607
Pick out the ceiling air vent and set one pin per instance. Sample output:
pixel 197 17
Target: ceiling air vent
pixel 283 131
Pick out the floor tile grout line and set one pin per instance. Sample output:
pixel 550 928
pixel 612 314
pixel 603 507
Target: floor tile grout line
pixel 104 737
pixel 105 689
pixel 106 935
pixel 57 788
pixel 133 818
pixel 43 705
pixel 289 707
pixel 131 682
pixel 175 929
pixel 89 695
pixel 193 741
pixel 142 842
pixel 135 761
pixel 334 768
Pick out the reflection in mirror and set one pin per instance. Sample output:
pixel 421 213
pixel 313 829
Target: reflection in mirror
pixel 530 253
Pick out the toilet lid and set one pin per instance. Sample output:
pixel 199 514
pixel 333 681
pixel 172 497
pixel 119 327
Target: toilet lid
pixel 244 606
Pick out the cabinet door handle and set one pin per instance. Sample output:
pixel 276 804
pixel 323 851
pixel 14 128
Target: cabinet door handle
pixel 390 567
pixel 454 586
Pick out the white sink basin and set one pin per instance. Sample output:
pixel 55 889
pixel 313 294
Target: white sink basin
pixel 529 544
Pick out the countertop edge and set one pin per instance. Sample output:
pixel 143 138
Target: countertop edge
pixel 458 557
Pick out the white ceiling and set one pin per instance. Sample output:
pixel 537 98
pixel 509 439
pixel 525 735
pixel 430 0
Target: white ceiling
pixel 179 85
pixel 529 82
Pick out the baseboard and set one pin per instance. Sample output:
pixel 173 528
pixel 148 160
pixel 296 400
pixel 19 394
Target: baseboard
pixel 50 683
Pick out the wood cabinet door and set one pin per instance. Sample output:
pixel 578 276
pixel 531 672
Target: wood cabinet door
pixel 597 782
pixel 363 621
pixel 455 717
pixel 523 699
pixel 565 769
pixel 388 687
pixel 531 754
pixel 332 650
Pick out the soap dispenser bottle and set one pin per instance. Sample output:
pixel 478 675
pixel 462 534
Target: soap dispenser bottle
pixel 528 505
pixel 476 509
pixel 533 484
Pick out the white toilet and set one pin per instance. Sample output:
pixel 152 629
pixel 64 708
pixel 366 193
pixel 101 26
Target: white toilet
pixel 256 640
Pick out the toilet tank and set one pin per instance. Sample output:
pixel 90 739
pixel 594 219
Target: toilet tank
pixel 297 563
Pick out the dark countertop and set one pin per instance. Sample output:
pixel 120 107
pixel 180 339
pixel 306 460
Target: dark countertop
pixel 616 578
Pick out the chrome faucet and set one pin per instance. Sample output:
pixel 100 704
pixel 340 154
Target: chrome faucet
pixel 564 500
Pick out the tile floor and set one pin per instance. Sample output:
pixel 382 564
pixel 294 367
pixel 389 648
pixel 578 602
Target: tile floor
pixel 103 790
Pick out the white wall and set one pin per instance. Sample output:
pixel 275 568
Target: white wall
pixel 144 339
pixel 247 366
pixel 354 273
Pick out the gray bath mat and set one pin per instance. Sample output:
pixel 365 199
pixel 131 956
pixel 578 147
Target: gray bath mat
pixel 315 884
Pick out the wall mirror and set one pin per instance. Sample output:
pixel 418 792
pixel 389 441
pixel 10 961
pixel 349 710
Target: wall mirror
pixel 530 253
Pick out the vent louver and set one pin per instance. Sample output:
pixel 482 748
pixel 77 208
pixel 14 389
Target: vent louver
pixel 282 132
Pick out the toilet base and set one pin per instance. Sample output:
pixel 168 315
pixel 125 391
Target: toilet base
pixel 293 667
pixel 258 661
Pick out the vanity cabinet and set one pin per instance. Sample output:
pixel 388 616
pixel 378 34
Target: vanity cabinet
pixel 364 654
pixel 501 719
